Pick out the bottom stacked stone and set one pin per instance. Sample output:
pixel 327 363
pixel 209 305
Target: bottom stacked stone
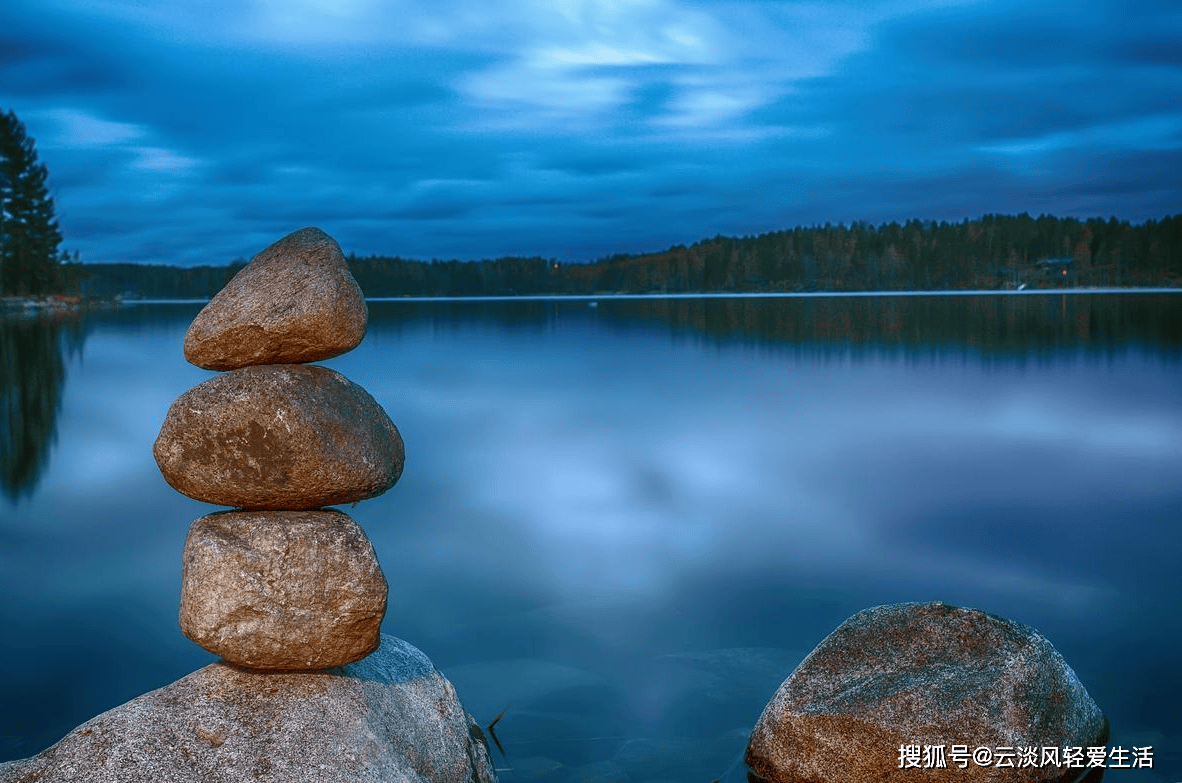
pixel 291 590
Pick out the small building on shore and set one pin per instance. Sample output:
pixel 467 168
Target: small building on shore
pixel 1055 271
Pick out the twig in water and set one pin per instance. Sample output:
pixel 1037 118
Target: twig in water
pixel 492 733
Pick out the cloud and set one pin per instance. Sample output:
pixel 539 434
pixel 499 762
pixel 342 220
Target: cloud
pixel 585 127
pixel 80 128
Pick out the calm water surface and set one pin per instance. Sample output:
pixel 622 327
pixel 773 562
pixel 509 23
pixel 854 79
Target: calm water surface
pixel 625 524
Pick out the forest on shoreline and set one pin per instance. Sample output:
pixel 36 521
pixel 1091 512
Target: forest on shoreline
pixel 995 252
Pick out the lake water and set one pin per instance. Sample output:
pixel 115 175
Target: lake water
pixel 625 522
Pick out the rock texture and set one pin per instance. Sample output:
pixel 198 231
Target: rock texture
pixel 279 436
pixel 294 302
pixel 927 674
pixel 282 589
pixel 391 718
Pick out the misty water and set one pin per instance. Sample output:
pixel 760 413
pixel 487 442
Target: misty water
pixel 624 522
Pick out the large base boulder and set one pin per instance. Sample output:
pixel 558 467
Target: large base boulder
pixel 896 692
pixel 390 718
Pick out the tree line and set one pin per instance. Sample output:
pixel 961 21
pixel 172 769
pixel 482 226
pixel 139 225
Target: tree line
pixel 992 252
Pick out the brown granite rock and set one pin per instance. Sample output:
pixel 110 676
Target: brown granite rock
pixel 925 674
pixel 294 302
pixel 390 718
pixel 279 436
pixel 282 589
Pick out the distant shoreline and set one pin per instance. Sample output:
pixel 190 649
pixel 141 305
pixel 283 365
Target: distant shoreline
pixel 63 303
pixel 55 303
pixel 772 294
pixel 722 295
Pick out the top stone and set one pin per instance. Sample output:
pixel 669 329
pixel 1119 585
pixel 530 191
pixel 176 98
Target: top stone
pixel 294 302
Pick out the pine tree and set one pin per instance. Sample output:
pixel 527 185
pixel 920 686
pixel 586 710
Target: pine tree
pixel 29 232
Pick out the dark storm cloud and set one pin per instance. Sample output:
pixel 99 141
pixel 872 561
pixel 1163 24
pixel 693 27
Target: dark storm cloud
pixel 950 113
pixel 34 65
pixel 189 133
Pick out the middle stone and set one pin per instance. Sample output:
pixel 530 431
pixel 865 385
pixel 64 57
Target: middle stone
pixel 279 436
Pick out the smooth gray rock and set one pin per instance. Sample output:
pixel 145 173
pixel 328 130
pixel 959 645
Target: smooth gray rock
pixel 926 674
pixel 296 301
pixel 390 718
pixel 279 436
pixel 282 589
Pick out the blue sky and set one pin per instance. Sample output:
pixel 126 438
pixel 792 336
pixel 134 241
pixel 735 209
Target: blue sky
pixel 199 132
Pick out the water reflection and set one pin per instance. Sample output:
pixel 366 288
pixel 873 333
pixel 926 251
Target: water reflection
pixel 33 349
pixel 832 328
pixel 628 523
pixel 33 352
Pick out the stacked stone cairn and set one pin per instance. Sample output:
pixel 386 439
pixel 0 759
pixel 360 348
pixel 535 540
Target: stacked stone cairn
pixel 281 582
